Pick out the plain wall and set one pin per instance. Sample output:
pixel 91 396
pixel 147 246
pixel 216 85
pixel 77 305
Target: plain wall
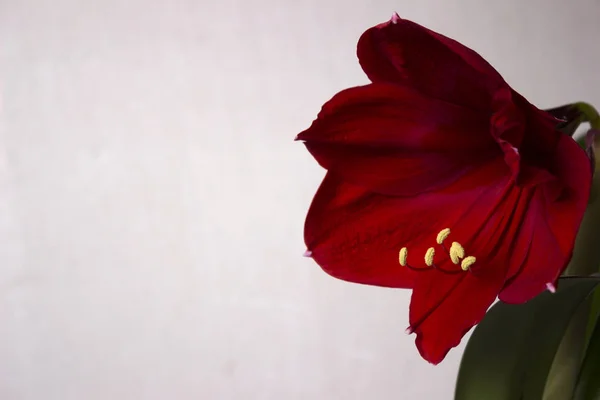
pixel 152 198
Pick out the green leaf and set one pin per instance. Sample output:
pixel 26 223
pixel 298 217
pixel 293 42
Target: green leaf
pixel 511 351
pixel 588 383
pixel 562 376
pixel 594 315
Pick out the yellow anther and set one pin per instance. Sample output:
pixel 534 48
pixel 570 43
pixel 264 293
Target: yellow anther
pixel 467 262
pixel 403 256
pixel 456 252
pixel 454 258
pixel 458 249
pixel 443 235
pixel 429 256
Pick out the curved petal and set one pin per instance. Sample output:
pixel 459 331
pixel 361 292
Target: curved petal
pixel 393 140
pixel 402 51
pixel 349 235
pixel 527 136
pixel 355 234
pixel 383 114
pixel 539 145
pixel 526 241
pixel 443 308
pixel 553 223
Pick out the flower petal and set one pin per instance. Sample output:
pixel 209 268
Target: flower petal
pixel 402 51
pixel 383 114
pixel 552 223
pixel 527 241
pixel 454 304
pixel 389 171
pixel 356 235
pixel 352 234
pixel 538 146
pixel 527 136
pixel 393 140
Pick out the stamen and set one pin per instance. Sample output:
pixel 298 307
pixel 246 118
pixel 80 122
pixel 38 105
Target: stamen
pixel 460 251
pixel 454 258
pixel 456 252
pixel 429 256
pixel 443 235
pixel 467 262
pixel 402 256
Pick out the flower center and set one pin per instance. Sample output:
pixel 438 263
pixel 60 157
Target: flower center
pixel 456 253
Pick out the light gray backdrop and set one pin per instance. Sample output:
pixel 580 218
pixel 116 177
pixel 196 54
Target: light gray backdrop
pixel 152 199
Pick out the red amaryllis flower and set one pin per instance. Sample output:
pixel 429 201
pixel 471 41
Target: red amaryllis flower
pixel 443 179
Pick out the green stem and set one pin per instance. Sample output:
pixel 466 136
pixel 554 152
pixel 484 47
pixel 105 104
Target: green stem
pixel 589 113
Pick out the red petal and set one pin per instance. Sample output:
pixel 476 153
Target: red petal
pixel 355 234
pixel 444 308
pixel 402 51
pixel 393 140
pixel 540 142
pixel 553 222
pixel 527 240
pixel 382 114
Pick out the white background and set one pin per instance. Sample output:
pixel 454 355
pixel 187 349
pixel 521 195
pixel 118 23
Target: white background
pixel 152 199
